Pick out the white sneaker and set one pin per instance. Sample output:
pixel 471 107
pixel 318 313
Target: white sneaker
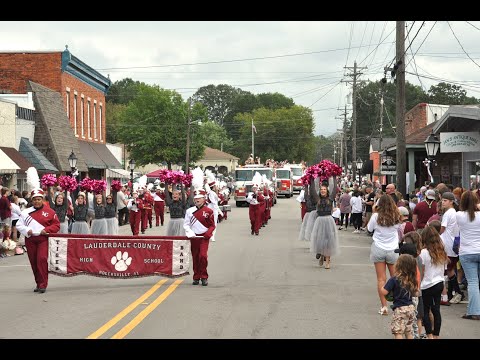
pixel 340 228
pixel 456 299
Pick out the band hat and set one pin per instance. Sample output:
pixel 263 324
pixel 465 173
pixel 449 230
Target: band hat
pixel 37 192
pixel 200 193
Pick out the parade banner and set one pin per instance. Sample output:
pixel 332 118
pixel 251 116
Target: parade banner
pixel 118 257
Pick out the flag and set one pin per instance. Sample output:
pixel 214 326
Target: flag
pixel 254 128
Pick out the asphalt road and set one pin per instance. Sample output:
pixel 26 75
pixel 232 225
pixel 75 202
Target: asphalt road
pixel 260 287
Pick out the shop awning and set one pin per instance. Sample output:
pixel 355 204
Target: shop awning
pixel 7 165
pixel 118 173
pixel 35 157
pixel 17 158
pixel 97 156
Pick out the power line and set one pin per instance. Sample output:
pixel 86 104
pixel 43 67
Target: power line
pixel 453 32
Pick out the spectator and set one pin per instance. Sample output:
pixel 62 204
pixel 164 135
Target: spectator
pixel 424 210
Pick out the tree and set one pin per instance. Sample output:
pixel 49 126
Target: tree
pixel 281 134
pixel 154 127
pixel 113 112
pixel 274 101
pixel 218 100
pixel 214 136
pixel 449 94
pixel 122 91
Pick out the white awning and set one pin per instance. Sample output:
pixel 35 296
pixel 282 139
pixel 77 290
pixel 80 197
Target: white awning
pixel 7 165
pixel 118 173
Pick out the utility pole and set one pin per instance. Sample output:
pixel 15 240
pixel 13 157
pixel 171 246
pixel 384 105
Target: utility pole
pixel 354 76
pixel 343 139
pixel 400 109
pixel 187 156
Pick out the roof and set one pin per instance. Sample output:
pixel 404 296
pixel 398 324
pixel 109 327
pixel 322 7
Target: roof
pixel 53 129
pixel 98 156
pixel 386 142
pixel 419 136
pixel 7 165
pixel 35 157
pixel 214 154
pixel 17 158
pixel 459 112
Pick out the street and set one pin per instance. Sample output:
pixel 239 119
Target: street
pixel 260 287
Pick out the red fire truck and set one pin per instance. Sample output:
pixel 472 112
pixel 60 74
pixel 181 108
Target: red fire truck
pixel 284 181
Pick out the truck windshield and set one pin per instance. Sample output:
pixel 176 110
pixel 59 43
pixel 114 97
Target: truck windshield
pixel 297 171
pixel 267 172
pixel 283 174
pixel 243 175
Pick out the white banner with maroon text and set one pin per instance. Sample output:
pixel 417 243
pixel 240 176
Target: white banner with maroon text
pixel 118 257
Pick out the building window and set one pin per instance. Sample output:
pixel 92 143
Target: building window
pixel 75 114
pixel 95 121
pixel 82 115
pixel 89 130
pixel 67 102
pixel 100 118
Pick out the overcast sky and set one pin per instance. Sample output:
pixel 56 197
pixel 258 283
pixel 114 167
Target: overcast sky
pixel 302 60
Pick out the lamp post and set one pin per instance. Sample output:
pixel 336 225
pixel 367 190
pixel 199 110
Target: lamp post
pixel 132 167
pixel 432 145
pixel 359 165
pixel 72 160
pixel 349 166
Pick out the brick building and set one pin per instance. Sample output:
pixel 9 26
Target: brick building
pixel 65 91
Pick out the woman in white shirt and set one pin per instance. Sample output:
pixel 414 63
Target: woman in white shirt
pixel 16 212
pixel 434 259
pixel 448 232
pixel 468 220
pixel 357 209
pixel 384 224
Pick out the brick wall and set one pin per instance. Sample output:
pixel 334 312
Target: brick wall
pixel 17 68
pixel 97 103
pixel 416 118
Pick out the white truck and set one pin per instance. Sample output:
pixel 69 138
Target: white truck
pixel 243 181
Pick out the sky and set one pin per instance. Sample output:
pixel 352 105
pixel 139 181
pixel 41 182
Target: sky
pixel 304 60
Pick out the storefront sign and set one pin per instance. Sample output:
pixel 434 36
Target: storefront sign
pixel 389 167
pixel 459 142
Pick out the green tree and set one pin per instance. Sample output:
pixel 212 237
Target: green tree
pixel 113 113
pixel 274 101
pixel 214 136
pixel 218 100
pixel 154 127
pixel 122 91
pixel 449 94
pixel 281 134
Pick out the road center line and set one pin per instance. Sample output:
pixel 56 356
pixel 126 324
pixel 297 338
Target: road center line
pixel 145 312
pixel 126 311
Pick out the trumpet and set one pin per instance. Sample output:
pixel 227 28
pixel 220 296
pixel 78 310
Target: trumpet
pixel 162 186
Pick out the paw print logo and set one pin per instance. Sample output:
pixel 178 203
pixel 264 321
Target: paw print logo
pixel 121 261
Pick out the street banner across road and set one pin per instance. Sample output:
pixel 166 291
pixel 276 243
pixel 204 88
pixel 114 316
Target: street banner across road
pixel 118 256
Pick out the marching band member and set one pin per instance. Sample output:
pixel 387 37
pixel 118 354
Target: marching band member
pixel 159 204
pixel 135 206
pixel 199 221
pixel 212 197
pixel 148 205
pixel 253 198
pixel 35 223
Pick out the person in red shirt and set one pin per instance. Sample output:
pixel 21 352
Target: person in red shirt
pixel 36 223
pixel 424 210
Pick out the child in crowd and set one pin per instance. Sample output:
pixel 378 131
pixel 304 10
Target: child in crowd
pixel 404 286
pixel 8 245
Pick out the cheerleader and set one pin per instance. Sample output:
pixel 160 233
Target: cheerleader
pixel 177 206
pixel 99 223
pixel 110 216
pixel 324 237
pixel 60 206
pixel 80 210
pixel 310 215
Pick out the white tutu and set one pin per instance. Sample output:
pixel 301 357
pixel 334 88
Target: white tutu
pixel 99 226
pixel 80 227
pixel 309 225
pixel 175 227
pixel 63 228
pixel 301 235
pixel 324 238
pixel 112 226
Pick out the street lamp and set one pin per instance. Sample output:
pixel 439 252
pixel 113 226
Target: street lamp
pixel 132 167
pixel 72 160
pixel 349 166
pixel 359 165
pixel 432 145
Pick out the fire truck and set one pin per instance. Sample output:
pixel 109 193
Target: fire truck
pixel 284 181
pixel 297 173
pixel 243 181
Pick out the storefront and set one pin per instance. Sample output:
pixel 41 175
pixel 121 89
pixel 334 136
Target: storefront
pixel 459 133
